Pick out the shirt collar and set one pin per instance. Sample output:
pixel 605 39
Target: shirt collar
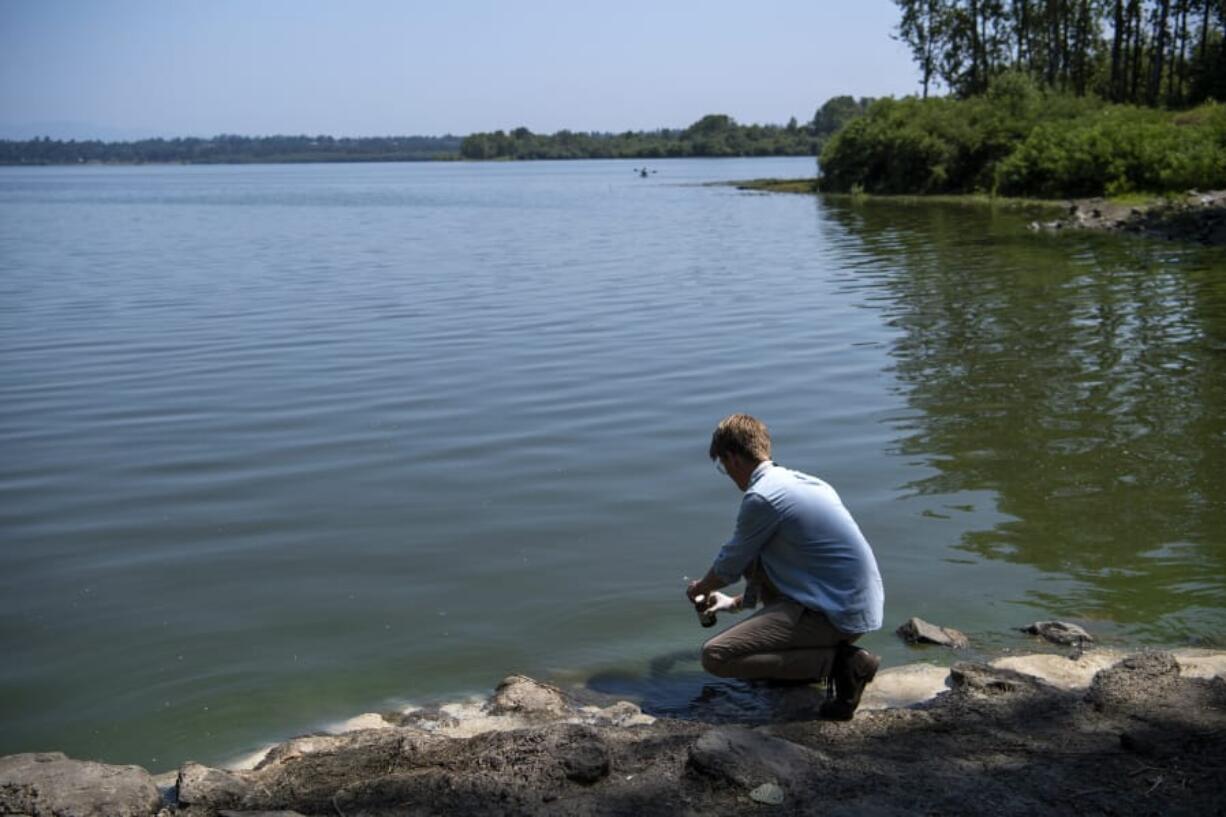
pixel 762 468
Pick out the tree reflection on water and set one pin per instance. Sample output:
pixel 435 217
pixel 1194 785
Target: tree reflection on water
pixel 1082 380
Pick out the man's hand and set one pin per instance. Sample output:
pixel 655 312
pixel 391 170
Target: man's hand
pixel 703 587
pixel 719 602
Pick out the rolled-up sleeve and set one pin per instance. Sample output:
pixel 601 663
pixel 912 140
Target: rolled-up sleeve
pixel 756 523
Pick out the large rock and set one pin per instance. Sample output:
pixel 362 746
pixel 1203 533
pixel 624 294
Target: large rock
pixel 622 713
pixel 917 631
pixel 53 785
pixel 1135 679
pixel 1162 713
pixel 904 686
pixel 521 695
pixel 582 752
pixel 748 758
pixel 983 679
pixel 305 773
pixel 1059 670
pixel 399 770
pixel 1059 632
pixel 387 740
pixel 495 773
pixel 216 788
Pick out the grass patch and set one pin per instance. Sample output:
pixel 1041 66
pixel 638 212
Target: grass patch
pixel 777 185
pixel 955 199
pixel 1136 199
pixel 809 186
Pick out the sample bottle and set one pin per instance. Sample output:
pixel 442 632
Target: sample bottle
pixel 705 617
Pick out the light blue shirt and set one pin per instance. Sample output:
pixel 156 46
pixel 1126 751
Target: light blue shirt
pixel 810 547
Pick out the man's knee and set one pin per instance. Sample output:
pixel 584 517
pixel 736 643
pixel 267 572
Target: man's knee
pixel 715 658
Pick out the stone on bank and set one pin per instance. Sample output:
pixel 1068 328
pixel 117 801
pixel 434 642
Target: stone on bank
pixel 917 631
pixel 51 783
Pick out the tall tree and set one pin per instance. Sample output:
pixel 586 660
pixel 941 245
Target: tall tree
pixel 1021 23
pixel 923 29
pixel 1117 42
pixel 1084 32
pixel 1137 49
pixel 837 112
pixel 1204 29
pixel 1155 54
pixel 978 72
pixel 1158 55
pixel 1174 76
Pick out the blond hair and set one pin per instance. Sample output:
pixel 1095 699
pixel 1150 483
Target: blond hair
pixel 743 435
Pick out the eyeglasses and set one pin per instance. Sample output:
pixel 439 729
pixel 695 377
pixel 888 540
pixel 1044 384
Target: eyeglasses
pixel 719 466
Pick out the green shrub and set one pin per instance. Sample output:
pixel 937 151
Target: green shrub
pixel 1121 149
pixel 1016 140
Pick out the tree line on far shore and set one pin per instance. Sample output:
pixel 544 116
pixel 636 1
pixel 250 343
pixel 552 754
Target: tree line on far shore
pixel 229 149
pixel 712 135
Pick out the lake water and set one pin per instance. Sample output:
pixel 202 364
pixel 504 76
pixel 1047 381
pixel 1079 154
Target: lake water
pixel 282 444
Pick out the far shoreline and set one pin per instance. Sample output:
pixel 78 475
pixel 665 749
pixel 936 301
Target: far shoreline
pixel 445 159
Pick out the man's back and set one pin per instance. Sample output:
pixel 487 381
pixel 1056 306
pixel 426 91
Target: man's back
pixel 810 546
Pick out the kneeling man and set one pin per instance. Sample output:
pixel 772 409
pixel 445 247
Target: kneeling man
pixel 805 559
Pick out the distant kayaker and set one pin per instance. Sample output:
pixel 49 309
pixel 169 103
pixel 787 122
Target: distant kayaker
pixel 804 558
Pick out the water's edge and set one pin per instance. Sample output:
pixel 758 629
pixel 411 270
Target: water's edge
pixel 1071 722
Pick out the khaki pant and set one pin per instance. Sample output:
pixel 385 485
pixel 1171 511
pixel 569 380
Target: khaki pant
pixel 783 641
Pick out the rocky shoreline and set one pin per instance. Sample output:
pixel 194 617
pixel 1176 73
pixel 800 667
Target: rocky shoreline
pixel 1094 732
pixel 1197 217
pixel 1194 216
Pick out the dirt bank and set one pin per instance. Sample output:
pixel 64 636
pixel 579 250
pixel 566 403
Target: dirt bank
pixel 1143 738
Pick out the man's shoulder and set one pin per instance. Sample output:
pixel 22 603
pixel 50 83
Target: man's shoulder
pixel 780 477
pixel 756 497
pixel 800 492
pixel 772 488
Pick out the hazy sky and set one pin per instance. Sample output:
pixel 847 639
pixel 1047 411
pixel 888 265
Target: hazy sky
pixel 132 68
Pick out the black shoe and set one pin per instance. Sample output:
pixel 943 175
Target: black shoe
pixel 854 669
